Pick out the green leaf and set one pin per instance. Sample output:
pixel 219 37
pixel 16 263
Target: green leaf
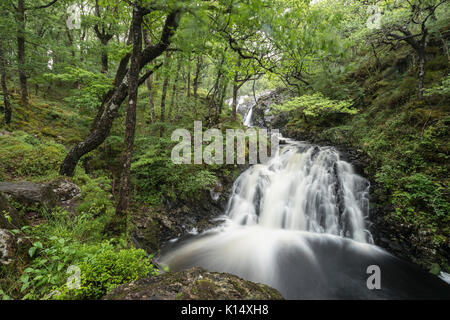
pixel 31 251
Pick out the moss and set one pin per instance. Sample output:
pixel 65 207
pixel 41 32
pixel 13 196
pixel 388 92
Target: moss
pixel 195 284
pixel 433 76
pixel 438 63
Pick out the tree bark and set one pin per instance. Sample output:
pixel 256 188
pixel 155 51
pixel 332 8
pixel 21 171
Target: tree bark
pixel 6 101
pixel 117 95
pixel 104 37
pixel 173 102
pixel 130 124
pixel 164 90
pixel 104 57
pixel 189 79
pixel 421 72
pixel 149 82
pixel 235 94
pixel 197 76
pixel 21 51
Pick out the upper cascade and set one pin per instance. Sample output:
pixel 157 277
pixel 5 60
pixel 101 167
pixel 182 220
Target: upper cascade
pixel 304 187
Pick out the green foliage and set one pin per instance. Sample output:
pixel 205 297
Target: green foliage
pixel 106 270
pixel 88 87
pixel 157 176
pixel 103 267
pixel 25 155
pixel 442 89
pixel 316 105
pixel 95 194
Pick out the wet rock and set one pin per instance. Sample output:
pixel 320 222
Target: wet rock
pixel 216 191
pixel 194 284
pixel 153 227
pixel 262 116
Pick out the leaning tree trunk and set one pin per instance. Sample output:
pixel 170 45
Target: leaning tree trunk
pixel 117 95
pixel 21 52
pixel 130 125
pixel 4 87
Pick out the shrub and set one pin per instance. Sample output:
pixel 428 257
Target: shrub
pixel 25 155
pixel 107 270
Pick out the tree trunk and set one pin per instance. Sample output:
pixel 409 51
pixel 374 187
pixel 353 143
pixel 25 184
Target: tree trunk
pixel 421 72
pixel 151 102
pixel 130 124
pixel 149 82
pixel 164 89
pixel 4 87
pixel 21 51
pixel 104 57
pixel 235 94
pixel 189 79
pixel 197 76
pixel 173 101
pixel 118 95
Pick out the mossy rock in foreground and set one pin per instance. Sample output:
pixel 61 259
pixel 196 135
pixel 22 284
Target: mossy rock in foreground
pixel 194 284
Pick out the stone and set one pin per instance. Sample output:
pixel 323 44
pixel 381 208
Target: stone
pixel 30 193
pixel 49 195
pixel 193 284
pixel 64 189
pixel 8 247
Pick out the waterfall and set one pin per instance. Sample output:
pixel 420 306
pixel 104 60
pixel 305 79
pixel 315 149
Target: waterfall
pixel 248 118
pixel 305 188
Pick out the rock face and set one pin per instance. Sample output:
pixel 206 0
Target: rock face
pixel 64 189
pixel 153 227
pixel 261 111
pixel 194 284
pixel 8 247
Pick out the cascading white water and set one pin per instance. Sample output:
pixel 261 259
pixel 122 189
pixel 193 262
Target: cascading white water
pixel 305 188
pixel 248 118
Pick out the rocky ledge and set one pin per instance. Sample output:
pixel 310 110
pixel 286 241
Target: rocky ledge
pixel 193 284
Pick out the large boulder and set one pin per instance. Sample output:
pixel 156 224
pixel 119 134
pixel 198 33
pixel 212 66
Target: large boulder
pixel 30 194
pixel 50 195
pixel 193 284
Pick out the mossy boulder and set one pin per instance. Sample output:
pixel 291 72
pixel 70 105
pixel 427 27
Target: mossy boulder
pixel 194 284
pixel 37 195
